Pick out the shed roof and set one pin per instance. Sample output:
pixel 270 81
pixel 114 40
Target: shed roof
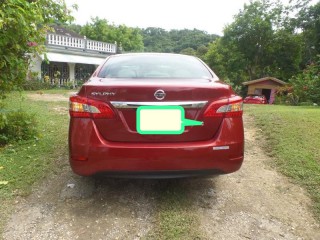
pixel 264 79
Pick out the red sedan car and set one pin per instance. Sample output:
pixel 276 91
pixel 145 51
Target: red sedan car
pixel 256 99
pixel 156 116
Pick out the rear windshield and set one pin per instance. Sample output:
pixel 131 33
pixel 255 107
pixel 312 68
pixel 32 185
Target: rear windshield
pixel 154 66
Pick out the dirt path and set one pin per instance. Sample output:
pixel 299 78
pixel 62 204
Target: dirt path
pixel 253 203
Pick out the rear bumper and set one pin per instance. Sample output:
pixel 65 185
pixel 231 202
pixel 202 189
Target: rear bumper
pixel 160 174
pixel 90 154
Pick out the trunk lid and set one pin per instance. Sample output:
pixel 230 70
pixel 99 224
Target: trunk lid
pixel 125 96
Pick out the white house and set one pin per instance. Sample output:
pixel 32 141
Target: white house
pixel 71 57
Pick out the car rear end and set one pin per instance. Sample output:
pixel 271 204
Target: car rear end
pixel 103 136
pixel 255 99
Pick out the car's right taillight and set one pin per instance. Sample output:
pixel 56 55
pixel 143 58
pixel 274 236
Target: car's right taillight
pixel 230 108
pixel 82 107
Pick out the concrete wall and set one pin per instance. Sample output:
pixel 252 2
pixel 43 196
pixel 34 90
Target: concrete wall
pixel 35 65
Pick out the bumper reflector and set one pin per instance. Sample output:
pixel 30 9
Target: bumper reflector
pixel 221 148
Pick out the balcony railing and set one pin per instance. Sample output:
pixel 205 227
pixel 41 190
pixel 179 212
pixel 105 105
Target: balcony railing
pixel 80 43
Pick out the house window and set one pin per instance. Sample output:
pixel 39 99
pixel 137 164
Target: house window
pixel 57 72
pixel 83 71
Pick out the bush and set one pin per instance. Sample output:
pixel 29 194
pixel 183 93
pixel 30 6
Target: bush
pixel 306 85
pixel 306 104
pixel 17 126
pixel 34 85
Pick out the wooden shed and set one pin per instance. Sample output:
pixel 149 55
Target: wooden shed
pixel 264 86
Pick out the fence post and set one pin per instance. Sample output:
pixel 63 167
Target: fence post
pixel 85 43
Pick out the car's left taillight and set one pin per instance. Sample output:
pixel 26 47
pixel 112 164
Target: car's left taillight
pixel 82 107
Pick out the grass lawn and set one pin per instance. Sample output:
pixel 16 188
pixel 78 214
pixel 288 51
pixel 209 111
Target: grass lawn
pixel 61 91
pixel 293 139
pixel 26 162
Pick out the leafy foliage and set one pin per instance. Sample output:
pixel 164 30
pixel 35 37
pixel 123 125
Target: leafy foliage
pixel 16 126
pixel 129 38
pixel 309 21
pixel 35 84
pixel 306 85
pixel 189 51
pixel 27 162
pixel 266 38
pixel 191 42
pixel 226 60
pixel 157 40
pixel 258 43
pixel 23 25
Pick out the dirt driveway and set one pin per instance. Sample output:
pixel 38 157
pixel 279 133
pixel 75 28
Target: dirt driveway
pixel 253 203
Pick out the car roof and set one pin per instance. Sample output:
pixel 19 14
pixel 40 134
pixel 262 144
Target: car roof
pixel 151 54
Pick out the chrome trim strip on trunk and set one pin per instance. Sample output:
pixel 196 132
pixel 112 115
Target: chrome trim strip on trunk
pixel 185 104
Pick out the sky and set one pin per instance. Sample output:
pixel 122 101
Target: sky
pixel 208 15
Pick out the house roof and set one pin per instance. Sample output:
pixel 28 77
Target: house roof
pixel 65 32
pixel 73 58
pixel 264 79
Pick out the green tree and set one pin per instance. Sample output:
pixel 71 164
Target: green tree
pixel 226 60
pixel 23 25
pixel 285 54
pixel 189 51
pixel 308 21
pixel 73 27
pixel 157 40
pixel 252 34
pixel 202 51
pixel 130 38
pixel 260 42
pixel 215 58
pixel 306 85
pixel 187 38
pixel 160 40
pixel 100 30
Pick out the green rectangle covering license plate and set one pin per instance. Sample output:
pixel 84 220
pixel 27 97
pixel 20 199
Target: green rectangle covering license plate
pixel 163 120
